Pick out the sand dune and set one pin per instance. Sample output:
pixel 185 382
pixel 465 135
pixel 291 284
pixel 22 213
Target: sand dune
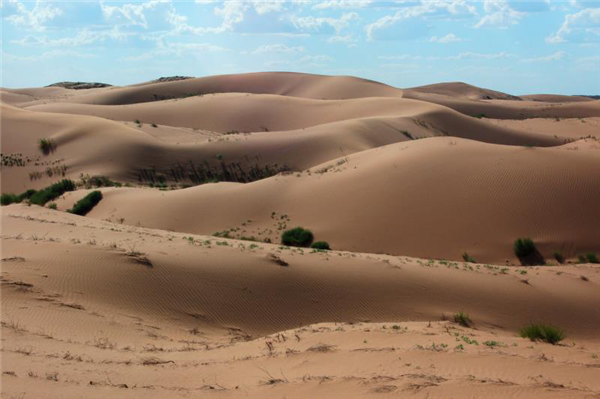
pixel 83 313
pixel 140 299
pixel 444 194
pixel 554 98
pixel 464 90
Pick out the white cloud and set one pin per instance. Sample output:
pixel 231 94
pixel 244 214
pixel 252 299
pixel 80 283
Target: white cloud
pixel 449 38
pixel 277 48
pixel 35 19
pixel 175 49
pixel 586 21
pixel 47 55
pixel 347 39
pixel 316 23
pixel 559 55
pixel 481 56
pixel 82 38
pixel 316 58
pixel 131 13
pixel 341 4
pixel 439 9
pixel 499 14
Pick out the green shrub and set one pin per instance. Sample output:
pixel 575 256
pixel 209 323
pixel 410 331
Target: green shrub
pixel 52 205
pixel 51 192
pixel 7 199
pixel 84 205
pixel 46 146
pixel 463 319
pixel 590 257
pixel 323 245
pixel 297 237
pixel 527 253
pixel 27 194
pixel 559 257
pixel 468 258
pixel 543 332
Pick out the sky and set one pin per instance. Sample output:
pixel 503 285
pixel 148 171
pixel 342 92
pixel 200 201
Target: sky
pixel 518 47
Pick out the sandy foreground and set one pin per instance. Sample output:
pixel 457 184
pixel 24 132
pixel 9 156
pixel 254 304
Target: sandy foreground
pixel 140 299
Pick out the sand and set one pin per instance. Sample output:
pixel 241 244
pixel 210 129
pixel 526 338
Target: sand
pixel 140 299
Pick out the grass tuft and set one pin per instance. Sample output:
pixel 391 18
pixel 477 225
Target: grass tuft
pixel 543 332
pixel 468 258
pixel 463 319
pixel 558 256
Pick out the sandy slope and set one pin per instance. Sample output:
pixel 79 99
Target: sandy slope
pixel 82 316
pixel 444 195
pixel 278 83
pixel 464 90
pixel 313 132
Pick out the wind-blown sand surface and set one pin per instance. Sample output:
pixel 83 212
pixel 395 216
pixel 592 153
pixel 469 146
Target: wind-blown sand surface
pixel 139 299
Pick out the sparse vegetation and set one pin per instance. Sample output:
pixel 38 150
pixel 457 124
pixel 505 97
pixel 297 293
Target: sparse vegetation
pixel 52 192
pixel 88 181
pixel 86 204
pixel 468 258
pixel 543 332
pixel 7 199
pixel 590 257
pixel 52 205
pixel 47 146
pixel 527 252
pixel 322 245
pixel 297 237
pixel 462 319
pixel 558 256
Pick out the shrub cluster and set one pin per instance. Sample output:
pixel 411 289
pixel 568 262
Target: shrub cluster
pixel 52 192
pixel 84 205
pixel 8 198
pixel 46 146
pixel 527 252
pixel 322 245
pixel 297 237
pixel 590 257
pixel 543 332
pixel 468 258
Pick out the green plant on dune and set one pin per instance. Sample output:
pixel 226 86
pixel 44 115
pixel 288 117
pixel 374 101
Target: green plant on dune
pixel 86 204
pixel 297 237
pixel 468 258
pixel 49 193
pixel 46 146
pixel 543 332
pixel 558 256
pixel 527 252
pixel 322 245
pixel 462 319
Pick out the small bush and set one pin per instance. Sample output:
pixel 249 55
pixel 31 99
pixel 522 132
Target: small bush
pixel 468 258
pixel 543 332
pixel 323 245
pixel 7 199
pixel 463 319
pixel 297 237
pixel 154 125
pixel 527 253
pixel 27 194
pixel 559 257
pixel 52 205
pixel 591 257
pixel 46 146
pixel 51 192
pixel 84 205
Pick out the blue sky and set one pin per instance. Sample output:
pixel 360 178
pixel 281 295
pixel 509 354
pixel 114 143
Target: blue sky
pixel 514 46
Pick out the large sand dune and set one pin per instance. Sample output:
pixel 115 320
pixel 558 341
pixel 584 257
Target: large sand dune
pixel 139 299
pixel 431 198
pixel 97 309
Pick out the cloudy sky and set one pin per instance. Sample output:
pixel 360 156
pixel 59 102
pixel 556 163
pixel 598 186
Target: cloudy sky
pixel 514 46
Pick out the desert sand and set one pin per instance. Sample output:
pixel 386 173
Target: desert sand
pixel 176 284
